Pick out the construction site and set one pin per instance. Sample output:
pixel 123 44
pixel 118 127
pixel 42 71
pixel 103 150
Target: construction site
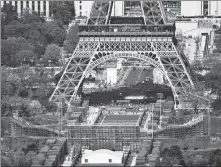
pixel 124 113
pixel 86 124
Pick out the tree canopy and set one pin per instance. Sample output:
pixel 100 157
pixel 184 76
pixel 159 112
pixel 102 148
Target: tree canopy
pixel 172 156
pixel 71 39
pixel 53 54
pixel 25 39
pixel 16 92
pixel 213 79
pixel 63 11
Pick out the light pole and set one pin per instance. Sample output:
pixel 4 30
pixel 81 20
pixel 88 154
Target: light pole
pixel 209 119
pixel 160 113
pixel 152 123
pixel 151 108
pixel 161 96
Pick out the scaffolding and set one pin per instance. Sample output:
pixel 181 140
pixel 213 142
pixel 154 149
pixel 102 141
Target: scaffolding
pixel 103 136
pixel 192 128
pixel 21 127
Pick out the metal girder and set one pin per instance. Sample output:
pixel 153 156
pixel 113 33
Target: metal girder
pixel 153 12
pixel 88 55
pixel 100 12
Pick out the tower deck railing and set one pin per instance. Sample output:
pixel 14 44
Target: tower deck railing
pixel 126 28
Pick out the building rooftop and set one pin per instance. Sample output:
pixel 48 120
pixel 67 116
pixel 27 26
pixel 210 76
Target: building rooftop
pixel 106 154
pixel 120 119
pixel 105 151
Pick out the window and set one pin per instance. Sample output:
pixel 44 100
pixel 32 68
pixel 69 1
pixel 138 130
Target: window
pixel 205 8
pixel 80 7
pixel 80 2
pixel 86 160
pixel 16 4
pixel 110 160
pixel 33 5
pixel 21 7
pixel 44 8
pixel 39 7
pixel 80 13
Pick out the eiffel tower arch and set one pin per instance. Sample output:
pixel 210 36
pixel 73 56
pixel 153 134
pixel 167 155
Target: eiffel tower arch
pixel 105 37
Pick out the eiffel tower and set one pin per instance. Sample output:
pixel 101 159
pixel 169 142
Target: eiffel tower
pixel 140 31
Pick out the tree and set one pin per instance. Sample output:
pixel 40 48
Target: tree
pixel 17 30
pixel 52 53
pixel 36 107
pixel 10 83
pixel 10 13
pixel 199 161
pixel 24 56
pixel 214 159
pixel 29 156
pixel 20 159
pixel 54 32
pixel 63 11
pixel 216 107
pixel 71 39
pixel 213 79
pixel 10 47
pixel 172 156
pixel 58 35
pixel 5 161
pixel 31 18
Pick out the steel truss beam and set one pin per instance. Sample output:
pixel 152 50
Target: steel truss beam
pixel 100 12
pixel 160 53
pixel 152 11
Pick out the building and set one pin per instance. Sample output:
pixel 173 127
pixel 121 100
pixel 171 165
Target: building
pixel 108 157
pixel 41 7
pixel 106 131
pixel 82 8
pixel 200 8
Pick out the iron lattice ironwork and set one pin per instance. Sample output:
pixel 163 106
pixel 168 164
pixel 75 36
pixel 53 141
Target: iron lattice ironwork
pixel 151 42
pixel 100 12
pixel 160 52
pixel 152 12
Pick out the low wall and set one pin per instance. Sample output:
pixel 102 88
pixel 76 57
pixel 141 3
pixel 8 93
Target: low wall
pixel 199 142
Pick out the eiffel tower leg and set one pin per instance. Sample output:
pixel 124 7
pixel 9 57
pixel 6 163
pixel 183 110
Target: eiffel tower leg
pixel 153 12
pixel 161 53
pixel 74 72
pixel 176 72
pixel 100 12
